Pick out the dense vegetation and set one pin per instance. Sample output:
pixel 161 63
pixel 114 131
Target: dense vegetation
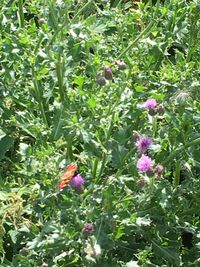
pixel 111 88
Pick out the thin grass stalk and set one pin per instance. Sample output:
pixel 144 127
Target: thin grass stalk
pixel 21 13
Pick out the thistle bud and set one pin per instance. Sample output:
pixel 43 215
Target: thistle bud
pixel 88 228
pixel 159 169
pixel 141 181
pixel 101 80
pixel 161 109
pixel 151 106
pixel 121 65
pixel 41 21
pixel 136 136
pixel 108 73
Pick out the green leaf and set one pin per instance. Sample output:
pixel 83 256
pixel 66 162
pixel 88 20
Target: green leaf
pixel 5 144
pixel 168 254
pixel 3 196
pixel 13 235
pixel 2 134
pixel 120 232
pixel 92 102
pixel 140 88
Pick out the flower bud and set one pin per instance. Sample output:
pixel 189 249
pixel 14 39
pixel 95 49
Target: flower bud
pixel 101 80
pixel 121 65
pixel 151 106
pixel 108 73
pixel 161 109
pixel 24 252
pixel 141 181
pixel 159 169
pixel 41 21
pixel 136 135
pixel 88 228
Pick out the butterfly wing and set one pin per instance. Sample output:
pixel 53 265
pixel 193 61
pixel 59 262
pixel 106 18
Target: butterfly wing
pixel 67 175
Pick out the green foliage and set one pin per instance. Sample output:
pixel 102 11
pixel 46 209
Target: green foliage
pixel 54 111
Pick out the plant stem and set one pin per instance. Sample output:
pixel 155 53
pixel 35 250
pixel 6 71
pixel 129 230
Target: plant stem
pixel 38 44
pixel 21 13
pixel 146 31
pixel 94 168
pixel 176 181
pixel 59 72
pixel 82 10
pixel 181 149
pixel 71 22
pixel 154 126
pixel 69 147
pixel 39 97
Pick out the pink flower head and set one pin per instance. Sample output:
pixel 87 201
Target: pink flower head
pixel 150 104
pixel 88 228
pixel 144 164
pixel 143 143
pixel 77 181
pixel 107 69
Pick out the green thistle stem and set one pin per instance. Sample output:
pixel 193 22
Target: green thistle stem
pixel 94 168
pixel 21 13
pixel 154 126
pixel 176 181
pixel 181 149
pixel 59 72
pixel 39 97
pixel 145 32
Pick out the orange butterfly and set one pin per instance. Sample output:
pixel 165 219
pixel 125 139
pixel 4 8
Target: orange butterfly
pixel 68 174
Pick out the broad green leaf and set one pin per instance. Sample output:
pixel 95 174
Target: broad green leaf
pixel 5 144
pixel 3 196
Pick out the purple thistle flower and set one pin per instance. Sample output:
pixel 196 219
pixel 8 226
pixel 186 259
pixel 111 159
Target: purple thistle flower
pixel 144 164
pixel 108 73
pixel 143 143
pixel 88 228
pixel 77 181
pixel 150 104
